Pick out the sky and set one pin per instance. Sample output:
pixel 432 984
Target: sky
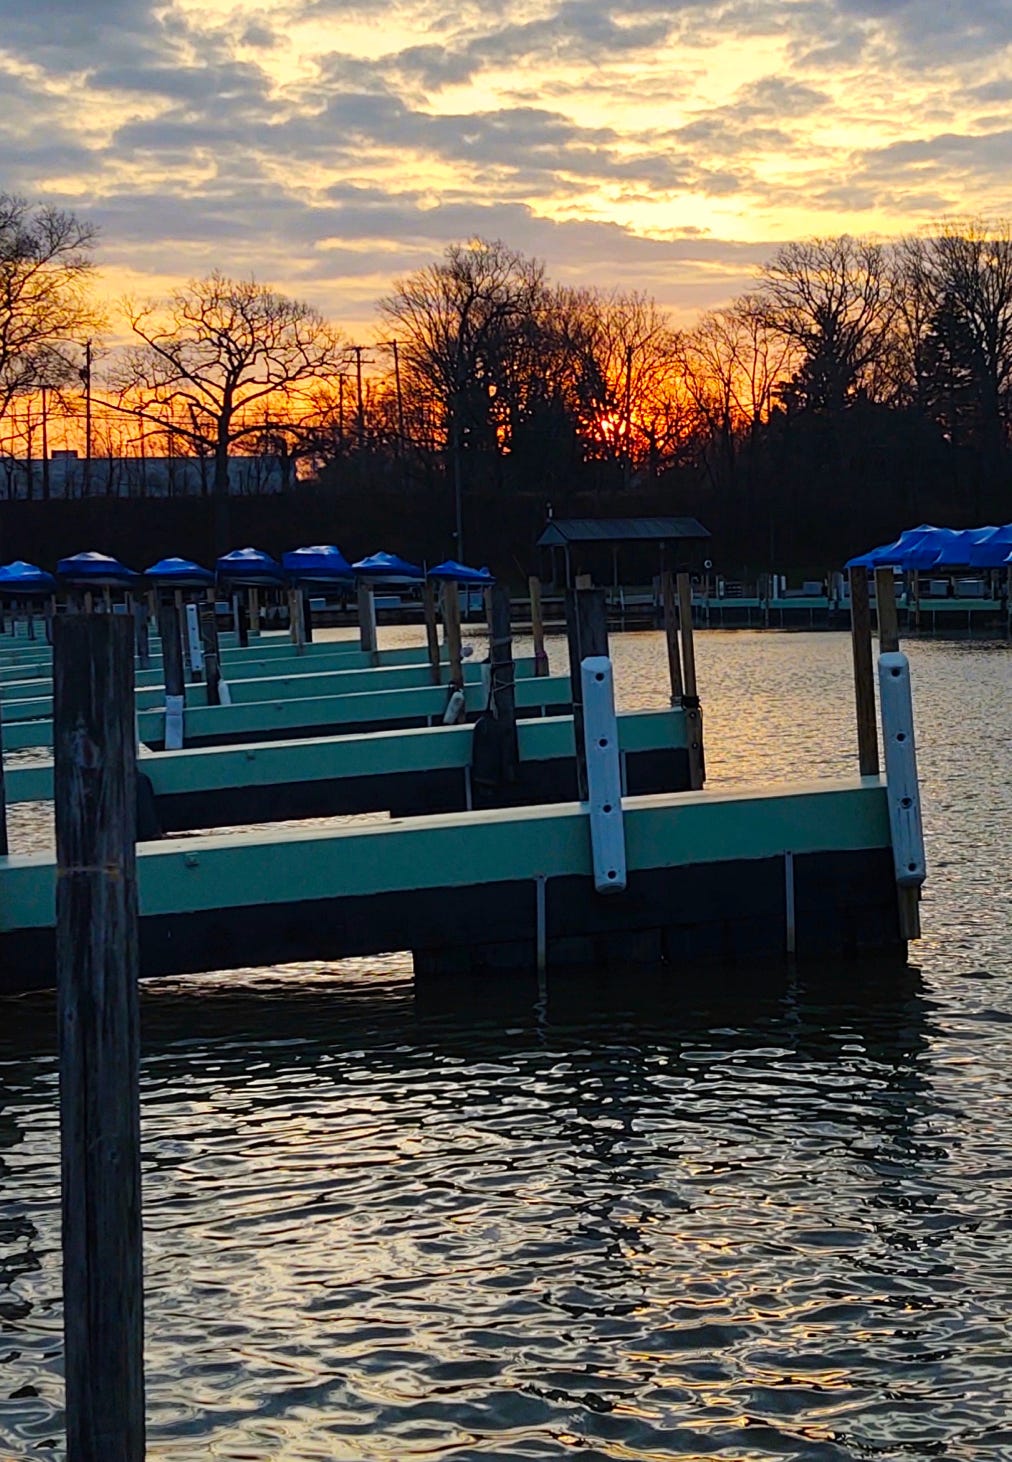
pixel 330 147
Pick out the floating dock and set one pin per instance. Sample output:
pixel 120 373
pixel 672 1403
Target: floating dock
pixel 402 772
pixel 591 841
pixel 711 876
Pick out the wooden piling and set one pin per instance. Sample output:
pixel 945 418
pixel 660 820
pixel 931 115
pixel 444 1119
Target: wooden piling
pixel 670 608
pixel 212 653
pixel 169 630
pixel 239 618
pixel 367 636
pixel 432 631
pixel 95 787
pixel 141 634
pixel 885 608
pixel 501 667
pixel 451 623
pixel 864 674
pixel 688 643
pixel 307 618
pixel 541 666
pixel 690 690
pixel 587 632
pixel 254 612
pixel 296 619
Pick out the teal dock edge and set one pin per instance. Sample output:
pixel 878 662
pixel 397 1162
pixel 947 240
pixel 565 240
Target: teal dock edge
pixel 708 879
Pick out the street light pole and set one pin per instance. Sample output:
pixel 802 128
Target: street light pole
pixel 400 398
pixel 85 375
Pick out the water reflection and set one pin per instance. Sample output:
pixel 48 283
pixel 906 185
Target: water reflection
pixel 743 1215
pixel 380 1226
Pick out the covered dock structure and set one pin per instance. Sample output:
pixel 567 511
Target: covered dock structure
pixel 592 546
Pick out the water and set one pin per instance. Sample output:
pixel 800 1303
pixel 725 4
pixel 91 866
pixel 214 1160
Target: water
pixel 729 1216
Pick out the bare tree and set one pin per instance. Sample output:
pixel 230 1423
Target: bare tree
pixel 832 298
pixel 45 306
pixel 456 323
pixel 732 363
pixel 218 349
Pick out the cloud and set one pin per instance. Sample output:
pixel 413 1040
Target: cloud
pixel 332 143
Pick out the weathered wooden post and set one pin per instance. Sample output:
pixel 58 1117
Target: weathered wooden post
pixel 212 654
pixel 451 623
pixel 239 618
pixel 888 619
pixel 296 619
pixel 432 631
pixel 670 609
pixel 141 634
pixel 172 670
pixel 95 789
pixel 367 636
pixel 587 631
pixel 502 672
pixel 541 666
pixel 864 674
pixel 254 611
pixel 690 691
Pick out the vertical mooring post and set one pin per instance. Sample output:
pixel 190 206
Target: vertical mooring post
pixel 212 653
pixel 864 673
pixel 367 636
pixel 451 622
pixel 172 671
pixel 587 632
pixel 296 618
pixel 432 630
pixel 670 609
pixel 307 618
pixel 254 611
pixel 95 791
pixel 239 618
pixel 502 676
pixel 142 635
pixel 541 666
pixel 690 691
pixel 888 619
pixel 4 846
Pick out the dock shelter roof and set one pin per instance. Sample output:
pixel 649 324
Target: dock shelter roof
pixel 562 531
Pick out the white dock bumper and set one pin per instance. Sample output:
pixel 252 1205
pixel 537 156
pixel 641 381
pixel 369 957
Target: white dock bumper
pixel 903 790
pixel 604 782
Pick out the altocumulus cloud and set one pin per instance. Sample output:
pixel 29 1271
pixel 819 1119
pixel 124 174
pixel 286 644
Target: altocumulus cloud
pixel 329 145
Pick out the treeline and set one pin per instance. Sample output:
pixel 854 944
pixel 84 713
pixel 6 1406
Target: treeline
pixel 859 387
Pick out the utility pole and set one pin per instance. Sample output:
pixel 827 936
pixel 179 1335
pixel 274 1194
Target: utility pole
pixel 360 408
pixel 45 443
pixel 85 374
pixel 627 418
pixel 400 398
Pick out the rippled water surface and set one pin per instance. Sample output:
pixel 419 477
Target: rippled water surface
pixel 738 1216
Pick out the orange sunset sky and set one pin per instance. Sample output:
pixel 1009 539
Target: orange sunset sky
pixel 329 147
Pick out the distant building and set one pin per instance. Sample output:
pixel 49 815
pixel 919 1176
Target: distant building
pixel 70 476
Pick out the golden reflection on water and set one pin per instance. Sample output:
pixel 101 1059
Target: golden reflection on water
pixel 746 1215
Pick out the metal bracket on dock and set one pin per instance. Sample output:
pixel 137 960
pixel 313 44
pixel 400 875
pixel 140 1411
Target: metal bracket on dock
pixel 604 780
pixel 903 790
